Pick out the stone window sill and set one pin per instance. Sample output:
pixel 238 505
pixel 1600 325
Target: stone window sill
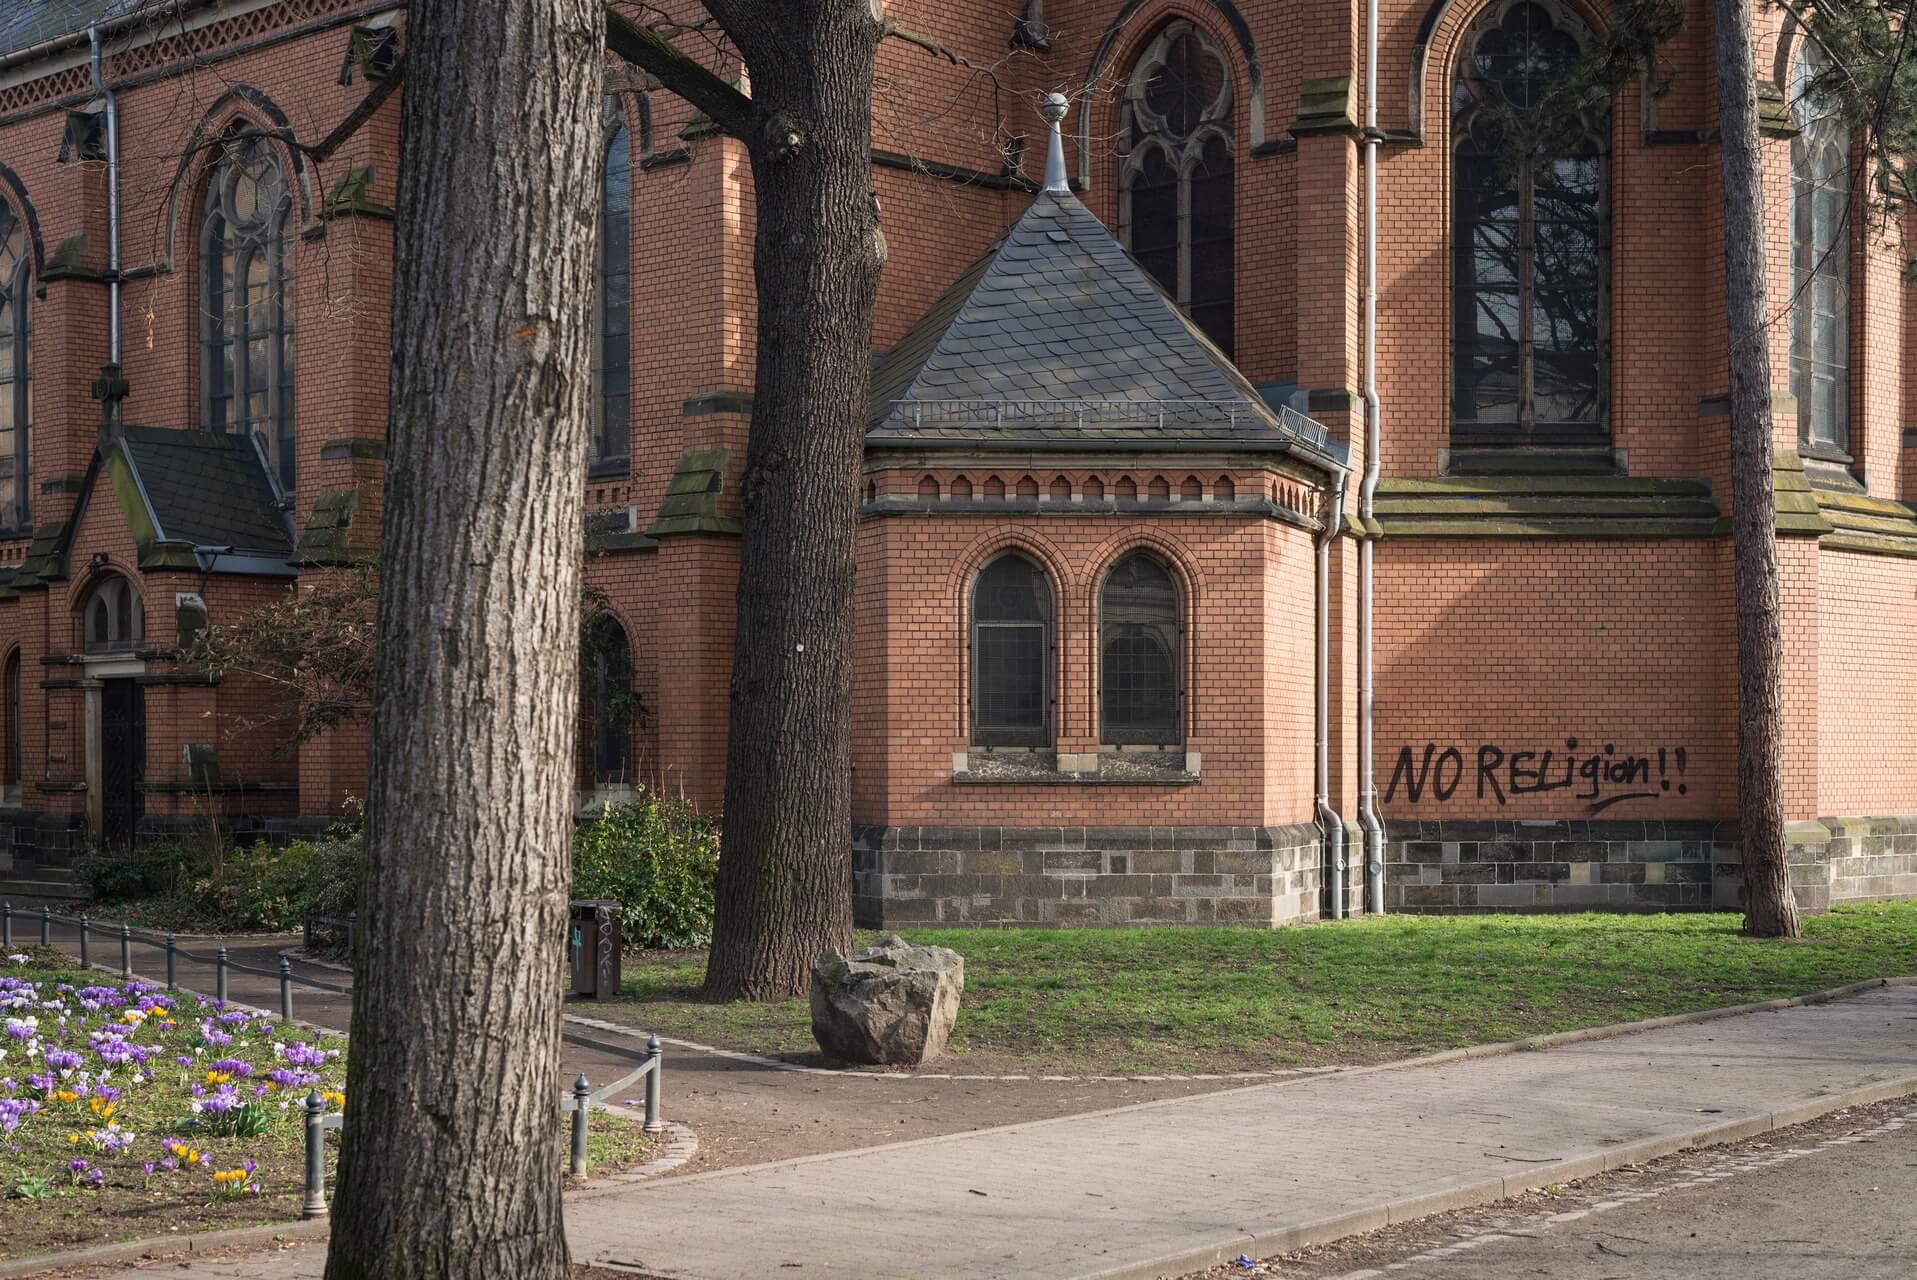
pixel 1106 768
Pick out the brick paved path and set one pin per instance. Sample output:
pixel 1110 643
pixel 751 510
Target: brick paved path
pixel 1165 1187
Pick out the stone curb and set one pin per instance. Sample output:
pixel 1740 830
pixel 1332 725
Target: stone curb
pixel 1285 1075
pixel 681 1144
pixel 1266 1244
pixel 1732 1130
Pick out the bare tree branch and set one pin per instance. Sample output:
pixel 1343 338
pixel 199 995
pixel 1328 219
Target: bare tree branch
pixel 728 108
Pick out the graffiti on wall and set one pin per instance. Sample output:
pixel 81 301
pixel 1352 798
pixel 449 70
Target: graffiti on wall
pixel 1598 777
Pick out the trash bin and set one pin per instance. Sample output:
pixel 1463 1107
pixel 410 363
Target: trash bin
pixel 593 947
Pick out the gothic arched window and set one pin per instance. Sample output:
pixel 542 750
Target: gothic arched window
pixel 16 374
pixel 114 618
pixel 612 350
pixel 607 686
pixel 1530 236
pixel 246 301
pixel 1820 261
pixel 1011 654
pixel 1140 624
pixel 12 774
pixel 1175 182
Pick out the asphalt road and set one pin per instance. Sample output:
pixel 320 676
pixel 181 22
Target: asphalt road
pixel 1830 1200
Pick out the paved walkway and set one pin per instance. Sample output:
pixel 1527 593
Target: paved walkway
pixel 1166 1187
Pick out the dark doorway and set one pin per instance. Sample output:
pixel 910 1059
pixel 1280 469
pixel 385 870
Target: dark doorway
pixel 122 760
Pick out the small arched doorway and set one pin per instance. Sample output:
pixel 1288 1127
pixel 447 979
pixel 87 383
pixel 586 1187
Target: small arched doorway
pixel 113 628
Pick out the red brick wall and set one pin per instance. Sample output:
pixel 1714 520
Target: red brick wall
pixel 1503 646
pixel 1867 685
pixel 1249 663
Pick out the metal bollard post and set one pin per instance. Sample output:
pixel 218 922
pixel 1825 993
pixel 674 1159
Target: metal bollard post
pixel 46 927
pixel 219 978
pixel 85 932
pixel 657 1057
pixel 6 925
pixel 352 932
pixel 126 952
pixel 314 1206
pixel 581 1099
pixel 172 963
pixel 286 990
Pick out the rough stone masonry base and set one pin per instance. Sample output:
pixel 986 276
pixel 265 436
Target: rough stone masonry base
pixel 1085 875
pixel 1276 875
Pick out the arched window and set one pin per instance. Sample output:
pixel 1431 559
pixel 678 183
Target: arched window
pixel 607 686
pixel 1012 654
pixel 1140 629
pixel 114 620
pixel 16 374
pixel 14 753
pixel 612 349
pixel 1530 237
pixel 1175 183
pixel 247 303
pixel 1820 261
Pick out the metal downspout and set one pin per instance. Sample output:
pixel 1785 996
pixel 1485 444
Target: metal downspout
pixel 1328 817
pixel 1368 818
pixel 113 194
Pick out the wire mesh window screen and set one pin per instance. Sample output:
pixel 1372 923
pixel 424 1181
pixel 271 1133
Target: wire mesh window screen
pixel 1011 654
pixel 1139 655
pixel 16 374
pixel 246 301
pixel 1820 259
pixel 1530 237
pixel 1175 181
pixel 613 347
pixel 608 689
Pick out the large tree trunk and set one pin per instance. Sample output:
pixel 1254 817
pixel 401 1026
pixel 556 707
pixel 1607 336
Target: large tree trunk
pixel 451 1165
pixel 1769 908
pixel 785 876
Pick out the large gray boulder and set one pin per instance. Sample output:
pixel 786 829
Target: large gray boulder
pixel 892 1004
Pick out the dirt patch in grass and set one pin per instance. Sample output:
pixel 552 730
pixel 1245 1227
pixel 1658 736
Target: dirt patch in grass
pixel 1200 1000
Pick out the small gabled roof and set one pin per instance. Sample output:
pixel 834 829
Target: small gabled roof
pixel 1057 338
pixel 207 494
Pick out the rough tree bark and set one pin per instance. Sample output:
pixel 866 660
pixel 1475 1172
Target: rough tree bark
pixel 784 891
pixel 452 1162
pixel 1770 910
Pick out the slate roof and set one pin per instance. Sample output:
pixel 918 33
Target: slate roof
pixel 25 23
pixel 207 489
pixel 1057 338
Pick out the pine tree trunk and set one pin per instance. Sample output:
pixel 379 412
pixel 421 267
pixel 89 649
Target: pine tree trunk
pixel 452 1159
pixel 785 875
pixel 1769 909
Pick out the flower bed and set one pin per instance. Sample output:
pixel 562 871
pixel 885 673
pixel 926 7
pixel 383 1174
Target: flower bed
pixel 128 1112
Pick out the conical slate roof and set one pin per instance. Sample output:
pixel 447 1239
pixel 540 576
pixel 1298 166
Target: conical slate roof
pixel 1056 338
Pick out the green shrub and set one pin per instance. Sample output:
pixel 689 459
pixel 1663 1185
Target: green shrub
pixel 157 871
pixel 266 888
pixel 255 887
pixel 657 858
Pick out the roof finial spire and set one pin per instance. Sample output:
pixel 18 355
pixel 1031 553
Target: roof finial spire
pixel 1054 108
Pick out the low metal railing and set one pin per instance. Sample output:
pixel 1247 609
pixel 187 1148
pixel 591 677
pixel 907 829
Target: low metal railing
pixel 318 1121
pixel 579 1103
pixel 126 936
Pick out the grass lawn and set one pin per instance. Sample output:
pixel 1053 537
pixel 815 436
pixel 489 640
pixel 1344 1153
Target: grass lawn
pixel 1360 991
pixel 125 1113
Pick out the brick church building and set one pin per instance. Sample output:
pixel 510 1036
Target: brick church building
pixel 1278 502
